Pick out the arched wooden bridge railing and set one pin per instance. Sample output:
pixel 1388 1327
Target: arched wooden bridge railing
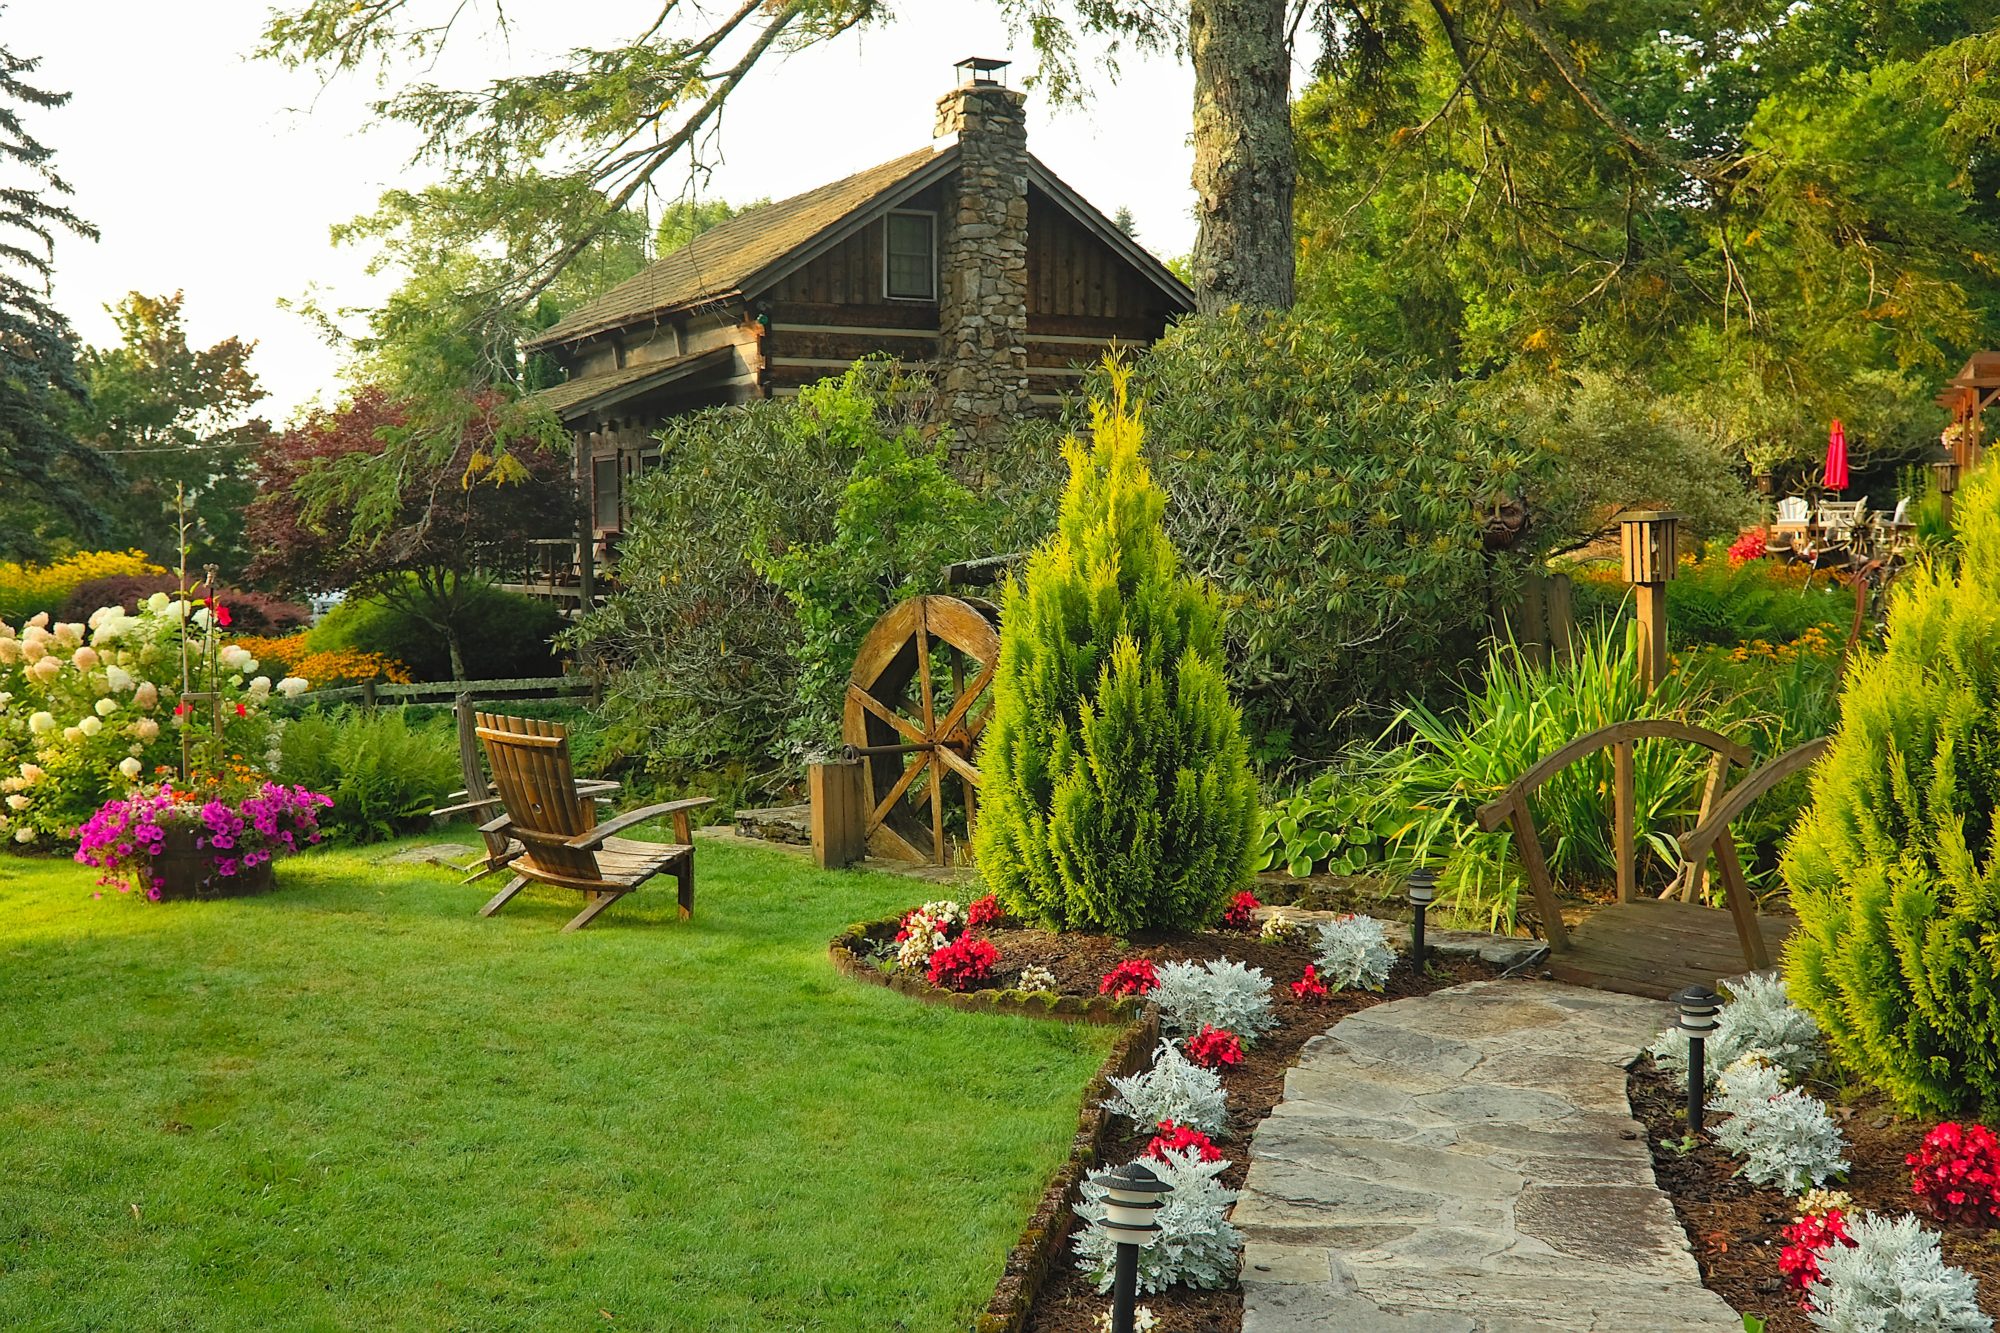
pixel 1621 738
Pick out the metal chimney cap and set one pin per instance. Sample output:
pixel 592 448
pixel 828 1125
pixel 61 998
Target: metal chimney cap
pixel 983 71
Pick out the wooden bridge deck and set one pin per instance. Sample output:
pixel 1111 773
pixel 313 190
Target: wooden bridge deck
pixel 1653 947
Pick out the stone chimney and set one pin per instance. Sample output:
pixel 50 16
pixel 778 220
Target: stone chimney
pixel 983 254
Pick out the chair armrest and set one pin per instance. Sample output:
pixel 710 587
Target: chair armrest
pixel 465 807
pixel 611 828
pixel 496 825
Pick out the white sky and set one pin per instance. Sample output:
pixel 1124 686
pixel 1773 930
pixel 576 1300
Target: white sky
pixel 219 175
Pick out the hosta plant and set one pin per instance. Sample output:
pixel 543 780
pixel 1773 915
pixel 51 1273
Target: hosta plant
pixel 1196 1246
pixel 1784 1136
pixel 1891 1278
pixel 1218 993
pixel 1173 1089
pixel 1757 1017
pixel 1354 953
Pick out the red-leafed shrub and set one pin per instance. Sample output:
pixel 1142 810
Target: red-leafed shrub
pixel 1134 976
pixel 985 911
pixel 1178 1138
pixel 963 964
pixel 1806 1240
pixel 1309 987
pixel 1241 914
pixel 1750 546
pixel 1957 1174
pixel 249 612
pixel 1212 1048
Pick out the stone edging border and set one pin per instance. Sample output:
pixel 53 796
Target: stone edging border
pixel 1040 1246
pixel 845 953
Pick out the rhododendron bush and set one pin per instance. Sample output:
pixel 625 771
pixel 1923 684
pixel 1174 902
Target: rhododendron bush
pixel 87 710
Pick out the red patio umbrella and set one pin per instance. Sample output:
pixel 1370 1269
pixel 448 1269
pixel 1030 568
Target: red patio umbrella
pixel 1836 457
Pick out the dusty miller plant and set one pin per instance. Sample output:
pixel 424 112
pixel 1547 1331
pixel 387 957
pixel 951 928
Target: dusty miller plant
pixel 1196 1247
pixel 1760 1017
pixel 1892 1279
pixel 1174 1089
pixel 1353 952
pixel 1219 993
pixel 1785 1136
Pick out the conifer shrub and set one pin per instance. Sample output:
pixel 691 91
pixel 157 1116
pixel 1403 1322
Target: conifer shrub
pixel 1892 870
pixel 1117 789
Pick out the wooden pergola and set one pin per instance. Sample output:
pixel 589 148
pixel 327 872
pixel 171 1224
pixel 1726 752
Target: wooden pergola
pixel 1965 396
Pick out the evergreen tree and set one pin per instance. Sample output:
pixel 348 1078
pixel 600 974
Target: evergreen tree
pixel 1117 792
pixel 1893 871
pixel 39 386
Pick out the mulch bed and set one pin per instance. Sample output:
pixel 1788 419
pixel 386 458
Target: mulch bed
pixel 1067 1301
pixel 1733 1225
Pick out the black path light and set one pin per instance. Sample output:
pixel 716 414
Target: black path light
pixel 1422 888
pixel 1132 1194
pixel 1698 1007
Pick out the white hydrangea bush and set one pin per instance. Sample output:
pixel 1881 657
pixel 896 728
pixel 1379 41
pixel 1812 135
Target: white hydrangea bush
pixel 1219 993
pixel 1196 1247
pixel 1784 1136
pixel 1892 1279
pixel 1353 952
pixel 1758 1016
pixel 1175 1089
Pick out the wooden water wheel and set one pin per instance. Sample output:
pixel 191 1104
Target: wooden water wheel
pixel 915 708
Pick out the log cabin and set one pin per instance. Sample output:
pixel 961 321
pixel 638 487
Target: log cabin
pixel 967 257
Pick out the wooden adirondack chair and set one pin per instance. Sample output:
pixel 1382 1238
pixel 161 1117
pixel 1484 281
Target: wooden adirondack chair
pixel 561 841
pixel 478 798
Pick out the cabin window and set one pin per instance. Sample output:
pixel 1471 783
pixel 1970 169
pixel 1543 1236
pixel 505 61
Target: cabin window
pixel 910 264
pixel 604 493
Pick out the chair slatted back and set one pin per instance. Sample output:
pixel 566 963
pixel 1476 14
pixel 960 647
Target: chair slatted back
pixel 532 771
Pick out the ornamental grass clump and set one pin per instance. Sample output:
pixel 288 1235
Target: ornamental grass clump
pixel 1196 1246
pixel 1173 1089
pixel 1117 793
pixel 1890 1277
pixel 1891 872
pixel 1220 993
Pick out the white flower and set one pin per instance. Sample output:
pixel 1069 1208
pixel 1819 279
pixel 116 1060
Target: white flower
pixel 41 724
pixel 18 802
pixel 6 630
pixel 260 688
pixel 292 686
pixel 234 657
pixel 1143 1320
pixel 251 666
pixel 1037 977
pixel 201 617
pixel 118 678
pixel 73 735
pixel 32 773
pixel 146 695
pixel 104 613
pixel 24 834
pixel 5 699
pixel 146 729
pixel 46 670
pixel 130 768
pixel 84 659
pixel 68 636
pixel 113 629
pixel 106 707
pixel 40 620
pixel 91 725
pixel 10 651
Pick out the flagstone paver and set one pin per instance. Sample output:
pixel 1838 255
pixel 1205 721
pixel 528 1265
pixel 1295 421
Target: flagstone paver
pixel 1467 1162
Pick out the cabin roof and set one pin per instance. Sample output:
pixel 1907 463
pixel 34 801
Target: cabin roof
pixel 756 248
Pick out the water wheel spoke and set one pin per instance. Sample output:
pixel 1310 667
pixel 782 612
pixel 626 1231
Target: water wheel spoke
pixel 951 759
pixel 910 731
pixel 910 774
pixel 966 699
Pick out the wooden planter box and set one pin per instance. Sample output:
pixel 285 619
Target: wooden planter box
pixel 183 869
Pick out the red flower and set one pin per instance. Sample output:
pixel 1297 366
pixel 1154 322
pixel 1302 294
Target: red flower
pixel 963 963
pixel 241 711
pixel 1810 1237
pixel 1750 546
pixel 1309 987
pixel 1240 914
pixel 222 616
pixel 1957 1174
pixel 1134 976
pixel 984 912
pixel 1212 1048
pixel 1178 1138
pixel 182 709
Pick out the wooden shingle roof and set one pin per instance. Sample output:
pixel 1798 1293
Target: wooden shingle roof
pixel 718 262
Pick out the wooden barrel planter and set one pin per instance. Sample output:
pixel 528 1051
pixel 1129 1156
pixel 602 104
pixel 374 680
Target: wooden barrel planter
pixel 186 871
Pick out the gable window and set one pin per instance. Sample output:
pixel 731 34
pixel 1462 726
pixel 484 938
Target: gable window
pixel 909 244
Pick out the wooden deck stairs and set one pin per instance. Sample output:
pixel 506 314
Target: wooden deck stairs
pixel 1642 945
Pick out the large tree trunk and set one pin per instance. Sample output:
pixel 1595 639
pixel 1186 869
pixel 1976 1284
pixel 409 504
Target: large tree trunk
pixel 1244 163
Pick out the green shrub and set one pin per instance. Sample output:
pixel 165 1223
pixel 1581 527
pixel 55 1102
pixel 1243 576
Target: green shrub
pixel 1711 602
pixel 1336 501
pixel 504 635
pixel 384 775
pixel 1892 873
pixel 1117 793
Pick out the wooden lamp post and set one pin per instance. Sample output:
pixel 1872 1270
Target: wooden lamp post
pixel 1946 469
pixel 1650 541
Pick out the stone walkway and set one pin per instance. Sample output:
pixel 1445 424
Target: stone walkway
pixel 1467 1162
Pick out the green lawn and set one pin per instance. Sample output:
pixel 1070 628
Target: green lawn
pixel 352 1104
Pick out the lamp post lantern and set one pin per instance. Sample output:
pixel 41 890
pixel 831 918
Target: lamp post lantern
pixel 1698 1007
pixel 1422 890
pixel 1132 1194
pixel 1650 543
